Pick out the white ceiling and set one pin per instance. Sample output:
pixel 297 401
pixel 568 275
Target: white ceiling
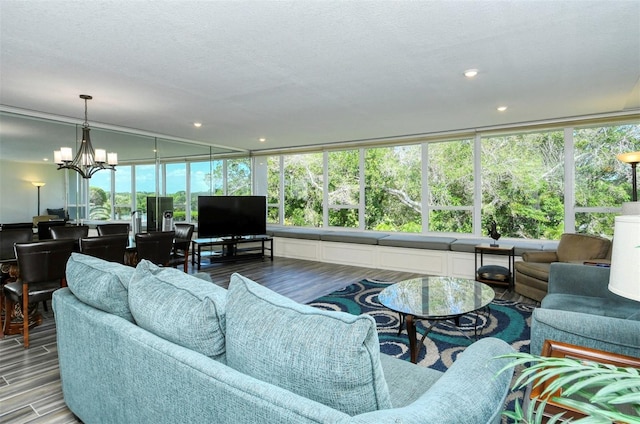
pixel 313 72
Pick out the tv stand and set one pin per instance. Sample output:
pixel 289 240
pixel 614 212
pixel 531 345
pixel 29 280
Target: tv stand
pixel 222 249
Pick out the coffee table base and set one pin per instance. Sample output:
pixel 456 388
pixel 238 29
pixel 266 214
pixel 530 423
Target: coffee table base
pixel 410 320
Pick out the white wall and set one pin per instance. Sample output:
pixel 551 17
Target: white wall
pixel 19 198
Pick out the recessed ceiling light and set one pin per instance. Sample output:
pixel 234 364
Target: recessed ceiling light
pixel 262 139
pixel 470 73
pixel 45 159
pixel 502 108
pixel 197 124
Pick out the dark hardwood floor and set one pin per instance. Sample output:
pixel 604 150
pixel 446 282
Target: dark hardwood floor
pixel 30 390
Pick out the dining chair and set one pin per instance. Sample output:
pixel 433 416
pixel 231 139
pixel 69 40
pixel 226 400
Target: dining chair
pixel 111 248
pixel 8 263
pixel 16 225
pixel 41 266
pixel 181 244
pixel 155 247
pixel 110 229
pixel 75 232
pixel 44 228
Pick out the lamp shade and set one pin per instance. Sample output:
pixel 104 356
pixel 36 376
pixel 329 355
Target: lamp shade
pixel 624 279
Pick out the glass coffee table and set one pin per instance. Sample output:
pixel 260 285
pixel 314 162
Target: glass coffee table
pixel 434 299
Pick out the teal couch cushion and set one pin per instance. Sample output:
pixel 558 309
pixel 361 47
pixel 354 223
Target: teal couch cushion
pixel 185 310
pixel 100 284
pixel 330 357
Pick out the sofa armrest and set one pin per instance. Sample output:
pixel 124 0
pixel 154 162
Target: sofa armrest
pixel 544 256
pixel 470 391
pixel 582 280
pixel 615 335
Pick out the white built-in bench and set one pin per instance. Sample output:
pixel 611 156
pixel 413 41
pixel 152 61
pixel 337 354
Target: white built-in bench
pixel 424 254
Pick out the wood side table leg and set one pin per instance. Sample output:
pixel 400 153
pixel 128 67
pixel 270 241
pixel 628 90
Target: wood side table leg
pixel 413 343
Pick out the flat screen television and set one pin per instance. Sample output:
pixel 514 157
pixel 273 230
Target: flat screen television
pixel 231 216
pixel 156 207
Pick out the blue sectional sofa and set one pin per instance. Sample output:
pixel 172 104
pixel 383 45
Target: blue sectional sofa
pixel 579 309
pixel 156 345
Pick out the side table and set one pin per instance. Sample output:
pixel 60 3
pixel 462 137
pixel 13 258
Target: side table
pixel 485 275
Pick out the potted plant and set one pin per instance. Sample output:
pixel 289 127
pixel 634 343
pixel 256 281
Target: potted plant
pixel 604 393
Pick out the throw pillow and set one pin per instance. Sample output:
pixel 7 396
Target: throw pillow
pixel 330 357
pixel 60 213
pixel 183 309
pixel 100 284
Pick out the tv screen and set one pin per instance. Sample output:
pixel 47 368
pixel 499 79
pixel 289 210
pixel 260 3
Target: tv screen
pixel 235 216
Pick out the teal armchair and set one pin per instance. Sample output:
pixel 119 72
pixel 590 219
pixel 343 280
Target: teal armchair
pixel 579 309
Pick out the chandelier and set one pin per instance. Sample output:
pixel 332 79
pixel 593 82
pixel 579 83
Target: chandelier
pixel 87 161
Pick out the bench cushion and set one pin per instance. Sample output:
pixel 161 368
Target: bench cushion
pixel 414 241
pixel 327 356
pixel 352 237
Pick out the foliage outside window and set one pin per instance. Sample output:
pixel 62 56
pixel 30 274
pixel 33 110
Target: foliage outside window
pixel 343 188
pixel 601 180
pixel 393 184
pixel 450 182
pixel 303 180
pixel 522 185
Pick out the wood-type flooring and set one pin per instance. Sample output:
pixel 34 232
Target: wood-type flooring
pixel 30 390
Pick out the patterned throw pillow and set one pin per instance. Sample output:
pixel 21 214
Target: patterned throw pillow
pixel 330 357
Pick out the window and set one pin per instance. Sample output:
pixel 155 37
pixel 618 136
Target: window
pixel 100 196
pixel 176 187
pixel 602 182
pixel 200 184
pixel 273 189
pixel 393 184
pixel 145 186
pixel 123 200
pixel 303 190
pixel 522 185
pixel 343 188
pixel 238 177
pixel 450 179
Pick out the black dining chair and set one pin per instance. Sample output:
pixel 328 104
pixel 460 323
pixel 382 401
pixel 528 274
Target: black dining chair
pixel 44 228
pixel 155 247
pixel 41 266
pixel 111 248
pixel 8 263
pixel 74 232
pixel 181 245
pixel 110 229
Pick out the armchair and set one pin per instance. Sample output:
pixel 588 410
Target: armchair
pixel 532 273
pixel 581 310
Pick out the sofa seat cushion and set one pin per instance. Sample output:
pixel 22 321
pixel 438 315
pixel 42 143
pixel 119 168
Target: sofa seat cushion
pixel 183 309
pixel 539 270
pixel 330 357
pixel 100 284
pixel 406 381
pixel 606 307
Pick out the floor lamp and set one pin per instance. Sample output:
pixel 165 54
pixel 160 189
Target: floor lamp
pixel 38 185
pixel 632 158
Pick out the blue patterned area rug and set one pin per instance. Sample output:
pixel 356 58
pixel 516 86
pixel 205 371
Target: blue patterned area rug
pixel 509 320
